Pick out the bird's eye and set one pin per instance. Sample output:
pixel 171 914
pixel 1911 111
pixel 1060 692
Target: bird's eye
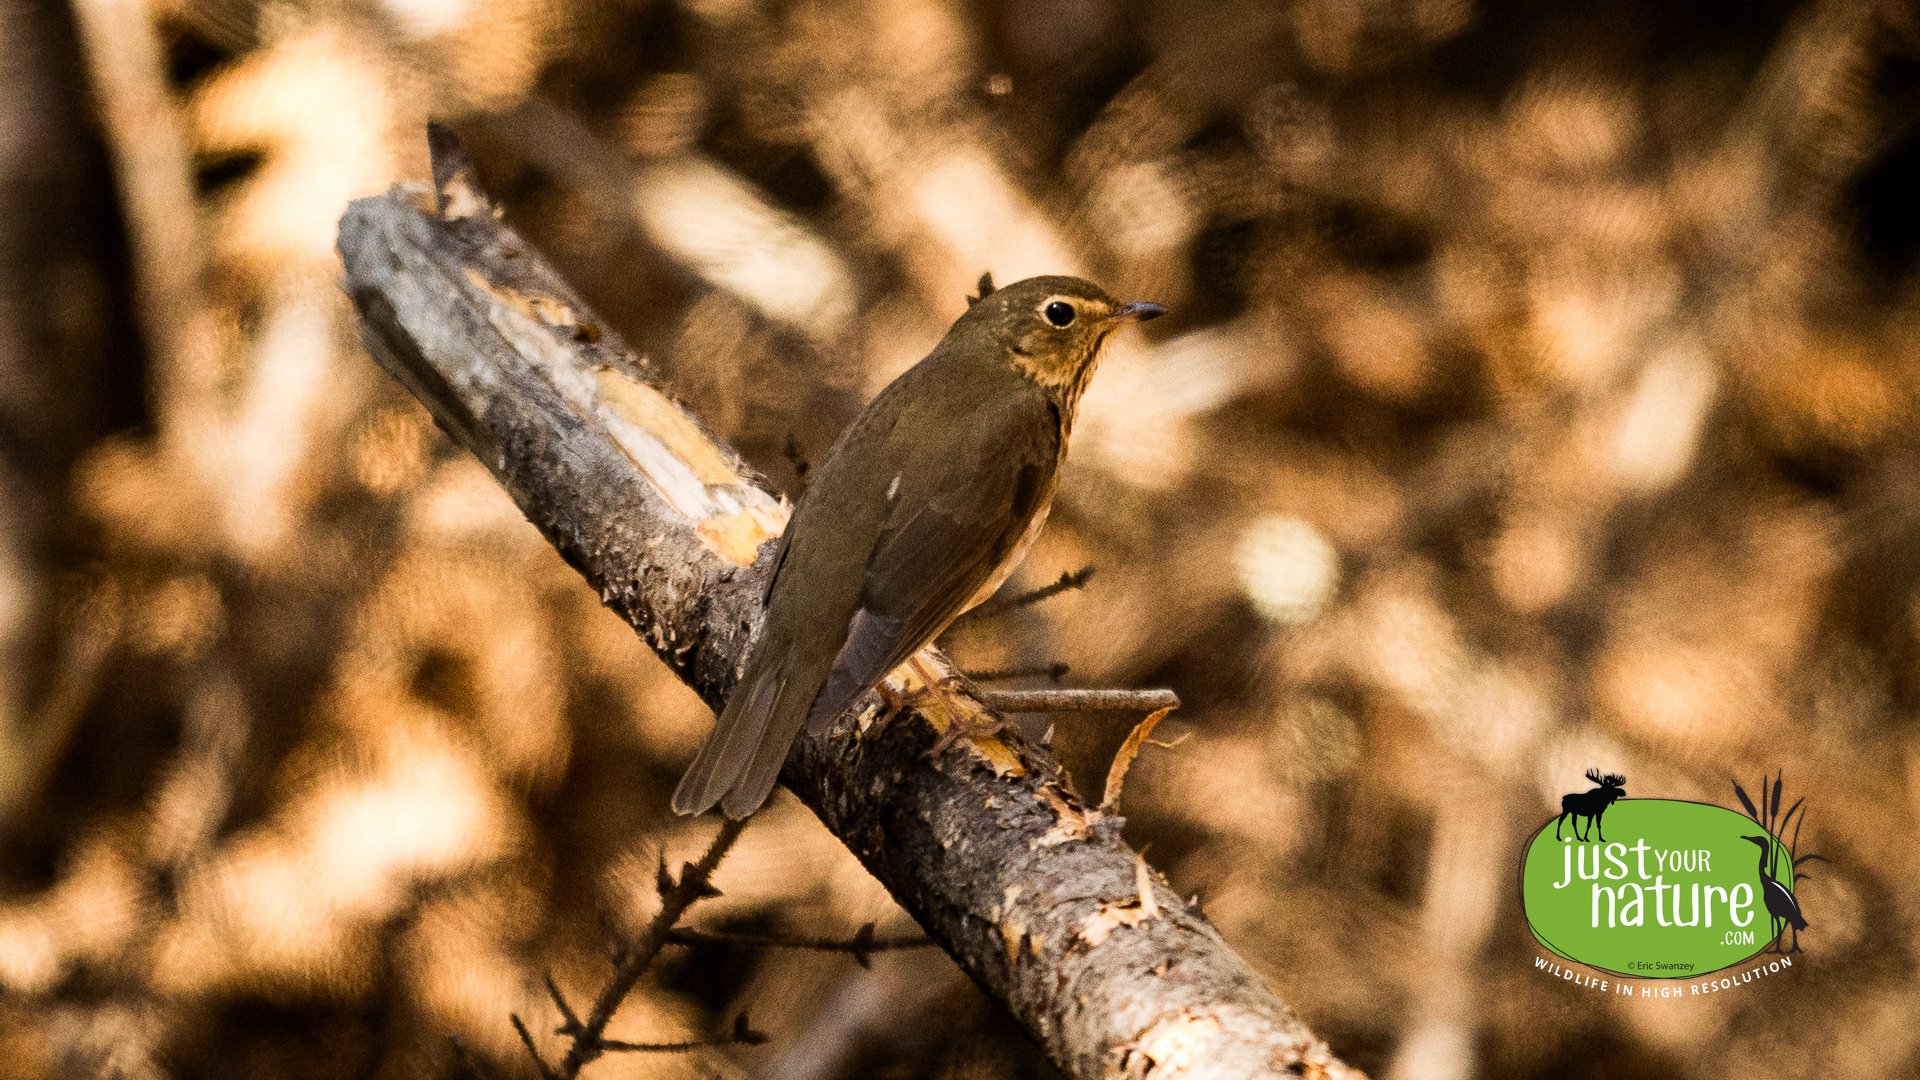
pixel 1060 313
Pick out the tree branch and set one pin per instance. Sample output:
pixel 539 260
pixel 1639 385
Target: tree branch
pixel 1039 701
pixel 1033 894
pixel 632 962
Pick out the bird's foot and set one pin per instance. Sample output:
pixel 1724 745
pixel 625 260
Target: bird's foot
pixel 894 703
pixel 961 726
pixel 899 701
pixel 950 694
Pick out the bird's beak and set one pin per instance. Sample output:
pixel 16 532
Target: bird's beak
pixel 1137 311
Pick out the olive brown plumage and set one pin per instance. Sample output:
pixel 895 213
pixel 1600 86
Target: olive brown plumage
pixel 921 509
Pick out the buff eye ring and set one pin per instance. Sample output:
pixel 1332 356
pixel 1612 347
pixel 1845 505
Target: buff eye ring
pixel 1060 313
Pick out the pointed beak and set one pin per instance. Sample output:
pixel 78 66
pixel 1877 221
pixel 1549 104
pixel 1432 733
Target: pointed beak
pixel 1137 311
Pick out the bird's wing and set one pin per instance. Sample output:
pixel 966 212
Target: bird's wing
pixel 926 564
pixel 973 502
pixel 790 654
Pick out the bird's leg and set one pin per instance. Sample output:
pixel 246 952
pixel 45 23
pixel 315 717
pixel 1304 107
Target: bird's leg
pixel 893 703
pixel 899 701
pixel 931 688
pixel 959 723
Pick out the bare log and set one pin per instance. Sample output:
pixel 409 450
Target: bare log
pixel 1031 891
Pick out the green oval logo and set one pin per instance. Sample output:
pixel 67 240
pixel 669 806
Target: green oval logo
pixel 1675 890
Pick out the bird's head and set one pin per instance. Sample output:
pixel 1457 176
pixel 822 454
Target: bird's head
pixel 1052 329
pixel 1761 840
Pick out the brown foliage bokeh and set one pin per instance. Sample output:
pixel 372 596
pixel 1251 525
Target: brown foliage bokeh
pixel 1539 395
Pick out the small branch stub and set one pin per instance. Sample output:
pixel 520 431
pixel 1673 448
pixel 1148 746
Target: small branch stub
pixel 1079 700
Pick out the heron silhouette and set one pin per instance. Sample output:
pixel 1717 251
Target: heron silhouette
pixel 1780 903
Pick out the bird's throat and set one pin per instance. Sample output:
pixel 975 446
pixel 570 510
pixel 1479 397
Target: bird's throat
pixel 1063 378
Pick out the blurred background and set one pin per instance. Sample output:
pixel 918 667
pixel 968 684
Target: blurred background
pixel 1538 395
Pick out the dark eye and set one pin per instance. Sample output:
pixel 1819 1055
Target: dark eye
pixel 1060 313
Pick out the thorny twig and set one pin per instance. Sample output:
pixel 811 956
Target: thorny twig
pixel 1069 581
pixel 741 1034
pixel 676 896
pixel 1054 672
pixel 862 945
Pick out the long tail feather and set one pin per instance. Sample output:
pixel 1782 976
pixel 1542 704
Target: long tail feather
pixel 733 743
pixel 760 767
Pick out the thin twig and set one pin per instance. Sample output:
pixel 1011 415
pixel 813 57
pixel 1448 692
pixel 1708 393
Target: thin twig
pixel 615 1045
pixel 863 943
pixel 1034 701
pixel 526 1039
pixel 1068 581
pixel 742 1034
pixel 570 1023
pixel 634 960
pixel 1054 671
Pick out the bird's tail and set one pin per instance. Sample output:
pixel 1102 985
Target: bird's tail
pixel 733 747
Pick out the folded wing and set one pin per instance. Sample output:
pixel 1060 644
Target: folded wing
pixel 946 525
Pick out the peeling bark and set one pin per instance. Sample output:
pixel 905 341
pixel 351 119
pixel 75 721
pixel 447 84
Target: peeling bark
pixel 1032 892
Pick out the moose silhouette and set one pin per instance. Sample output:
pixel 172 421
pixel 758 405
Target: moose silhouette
pixel 1590 804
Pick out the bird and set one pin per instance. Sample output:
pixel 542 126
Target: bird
pixel 1780 903
pixel 919 511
